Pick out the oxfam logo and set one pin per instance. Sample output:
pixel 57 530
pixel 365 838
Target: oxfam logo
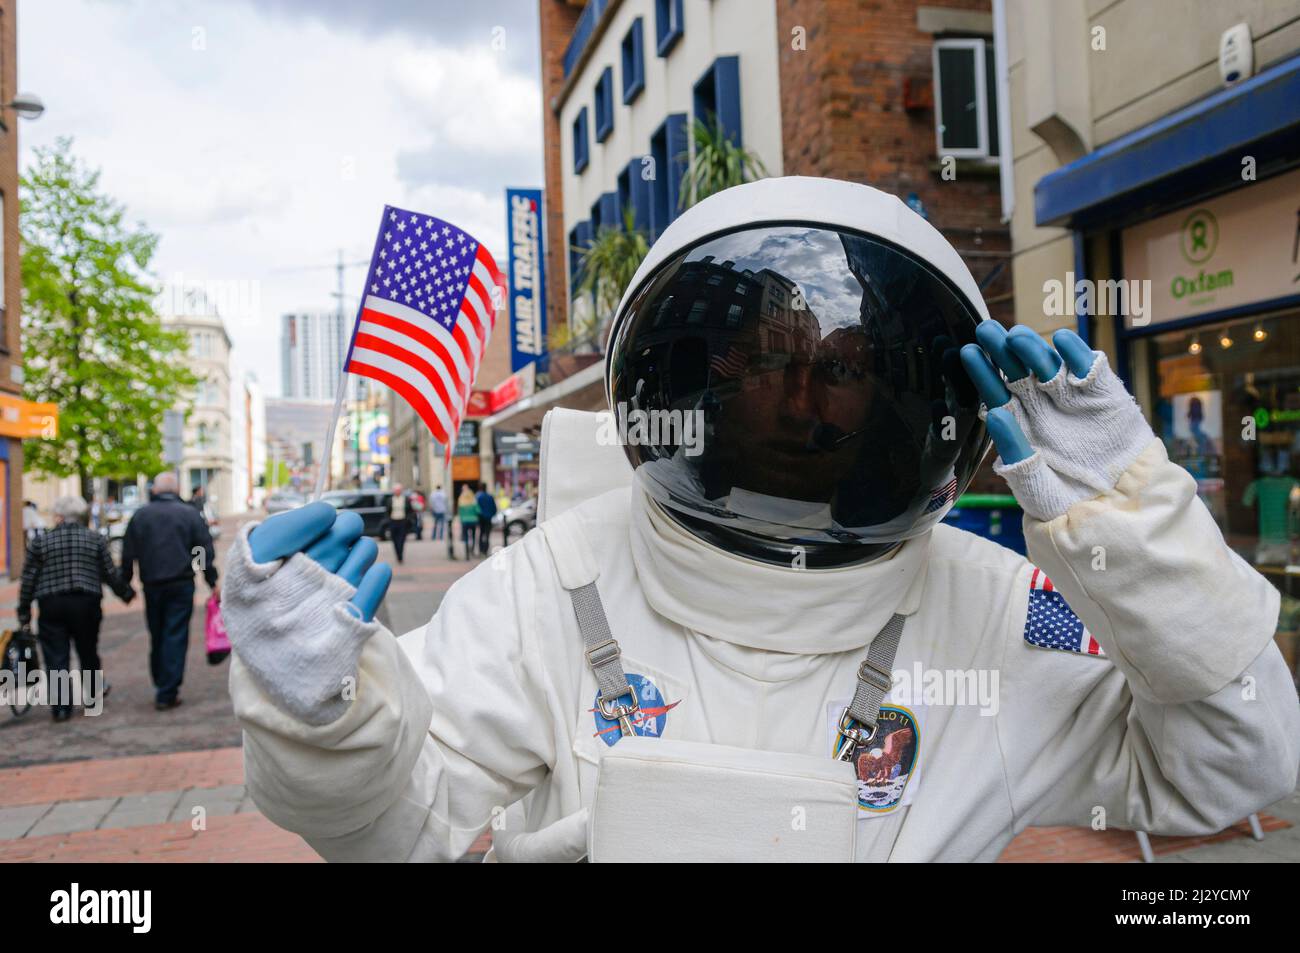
pixel 1199 237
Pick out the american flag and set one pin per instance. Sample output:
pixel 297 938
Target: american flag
pixel 428 309
pixel 730 364
pixel 1051 624
pixel 942 496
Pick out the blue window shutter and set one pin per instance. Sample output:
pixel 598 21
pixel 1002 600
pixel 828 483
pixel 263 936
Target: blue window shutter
pixel 668 25
pixel 580 141
pixel 609 212
pixel 717 93
pixel 726 72
pixel 579 238
pixel 635 191
pixel 633 61
pixel 605 104
pixel 677 142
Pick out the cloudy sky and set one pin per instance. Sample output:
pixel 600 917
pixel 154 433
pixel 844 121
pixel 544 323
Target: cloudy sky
pixel 260 137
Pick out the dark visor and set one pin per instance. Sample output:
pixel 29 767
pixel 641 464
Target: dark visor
pixel 791 385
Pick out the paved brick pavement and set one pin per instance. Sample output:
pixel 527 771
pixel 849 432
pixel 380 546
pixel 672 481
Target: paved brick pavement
pixel 125 786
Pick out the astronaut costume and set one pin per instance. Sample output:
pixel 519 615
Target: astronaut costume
pixel 774 649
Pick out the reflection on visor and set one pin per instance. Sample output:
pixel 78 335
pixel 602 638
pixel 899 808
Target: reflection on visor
pixel 824 368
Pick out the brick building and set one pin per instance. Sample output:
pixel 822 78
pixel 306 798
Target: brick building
pixel 849 89
pixel 11 352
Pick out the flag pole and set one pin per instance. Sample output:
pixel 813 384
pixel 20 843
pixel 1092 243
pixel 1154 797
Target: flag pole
pixel 327 460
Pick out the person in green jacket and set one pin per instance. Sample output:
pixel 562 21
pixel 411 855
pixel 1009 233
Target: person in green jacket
pixel 467 510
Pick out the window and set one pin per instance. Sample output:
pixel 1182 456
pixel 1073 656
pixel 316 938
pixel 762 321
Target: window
pixel 633 62
pixel 605 104
pixel 604 212
pixel 580 141
pixel 579 239
pixel 717 96
pixel 668 150
pixel 668 25
pixel 696 314
pixel 733 316
pixel 965 100
pixel 634 192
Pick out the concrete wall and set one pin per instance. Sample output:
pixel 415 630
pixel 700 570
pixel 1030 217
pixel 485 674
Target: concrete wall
pixel 1068 98
pixel 711 28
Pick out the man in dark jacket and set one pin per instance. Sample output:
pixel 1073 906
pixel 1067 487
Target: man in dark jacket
pixel 65 572
pixel 487 508
pixel 170 541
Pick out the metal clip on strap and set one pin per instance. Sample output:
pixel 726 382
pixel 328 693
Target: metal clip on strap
pixel 603 654
pixel 857 725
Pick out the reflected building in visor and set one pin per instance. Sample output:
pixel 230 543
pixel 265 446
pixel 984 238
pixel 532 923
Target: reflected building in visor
pixel 824 363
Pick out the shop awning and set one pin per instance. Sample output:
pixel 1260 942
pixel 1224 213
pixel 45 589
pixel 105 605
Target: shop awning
pixel 584 390
pixel 1207 139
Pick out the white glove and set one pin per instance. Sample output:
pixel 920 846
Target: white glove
pixel 289 622
pixel 1085 434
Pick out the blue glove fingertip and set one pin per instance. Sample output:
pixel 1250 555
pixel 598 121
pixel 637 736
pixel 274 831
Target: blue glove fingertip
pixel 993 338
pixel 1078 356
pixel 287 533
pixel 374 584
pixel 331 549
pixel 1036 354
pixel 361 557
pixel 984 376
pixel 1011 442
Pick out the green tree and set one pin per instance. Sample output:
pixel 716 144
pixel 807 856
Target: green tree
pixel 92 343
pixel 718 163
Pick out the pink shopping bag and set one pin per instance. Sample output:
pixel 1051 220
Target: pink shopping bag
pixel 215 630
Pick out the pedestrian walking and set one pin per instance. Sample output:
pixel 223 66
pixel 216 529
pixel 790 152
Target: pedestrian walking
pixel 417 514
pixel 65 571
pixel 33 521
pixel 438 507
pixel 169 538
pixel 399 519
pixel 487 508
pixel 467 512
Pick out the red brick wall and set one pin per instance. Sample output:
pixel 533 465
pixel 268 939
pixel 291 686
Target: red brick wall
pixel 843 116
pixel 558 18
pixel 11 353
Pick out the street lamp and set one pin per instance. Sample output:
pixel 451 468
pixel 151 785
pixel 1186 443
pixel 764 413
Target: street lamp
pixel 27 105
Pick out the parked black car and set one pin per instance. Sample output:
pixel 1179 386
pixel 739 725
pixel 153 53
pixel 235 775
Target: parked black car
pixel 370 505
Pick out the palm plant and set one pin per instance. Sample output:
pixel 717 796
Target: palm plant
pixel 606 269
pixel 718 163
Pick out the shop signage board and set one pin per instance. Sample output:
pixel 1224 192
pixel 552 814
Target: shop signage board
pixel 527 276
pixel 1236 249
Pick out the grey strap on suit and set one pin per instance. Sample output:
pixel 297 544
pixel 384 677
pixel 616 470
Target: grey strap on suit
pixel 857 723
pixel 602 649
pixel 875 679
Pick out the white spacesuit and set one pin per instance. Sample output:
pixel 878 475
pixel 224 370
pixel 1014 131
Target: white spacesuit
pixel 699 639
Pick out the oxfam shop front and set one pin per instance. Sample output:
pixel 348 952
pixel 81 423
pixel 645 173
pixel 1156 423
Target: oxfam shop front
pixel 1216 360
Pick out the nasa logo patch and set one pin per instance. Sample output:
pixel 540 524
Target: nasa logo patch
pixel 649 722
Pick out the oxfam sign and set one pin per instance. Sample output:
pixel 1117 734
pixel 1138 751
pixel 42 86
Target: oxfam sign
pixel 1198 239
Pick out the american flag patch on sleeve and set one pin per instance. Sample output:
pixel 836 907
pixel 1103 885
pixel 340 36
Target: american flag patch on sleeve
pixel 1051 624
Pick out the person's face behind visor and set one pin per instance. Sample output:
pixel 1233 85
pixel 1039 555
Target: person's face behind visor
pixel 823 369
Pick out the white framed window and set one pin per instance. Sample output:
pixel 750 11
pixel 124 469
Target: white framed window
pixel 965 104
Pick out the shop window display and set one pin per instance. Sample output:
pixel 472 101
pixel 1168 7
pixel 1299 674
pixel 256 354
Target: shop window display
pixel 1225 399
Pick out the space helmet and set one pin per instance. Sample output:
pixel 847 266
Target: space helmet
pixel 784 371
